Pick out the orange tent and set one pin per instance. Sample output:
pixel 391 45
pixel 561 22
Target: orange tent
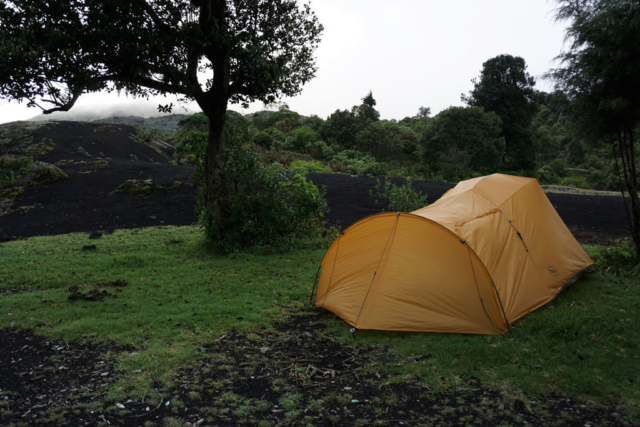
pixel 489 251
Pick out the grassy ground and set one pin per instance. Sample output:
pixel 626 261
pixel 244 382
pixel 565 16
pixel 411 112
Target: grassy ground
pixel 181 298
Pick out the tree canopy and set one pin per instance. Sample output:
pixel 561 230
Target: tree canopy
pixel 460 140
pixel 62 49
pixel 600 73
pixel 210 51
pixel 505 88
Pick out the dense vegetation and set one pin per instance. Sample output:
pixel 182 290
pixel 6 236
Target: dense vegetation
pixel 457 144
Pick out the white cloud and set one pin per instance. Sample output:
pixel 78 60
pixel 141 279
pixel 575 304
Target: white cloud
pixel 410 53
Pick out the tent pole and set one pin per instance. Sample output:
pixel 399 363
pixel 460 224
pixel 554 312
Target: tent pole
pixel 315 282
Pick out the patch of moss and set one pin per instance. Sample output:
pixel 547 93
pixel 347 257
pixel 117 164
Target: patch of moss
pixel 43 146
pixel 19 130
pixel 11 193
pixel 41 173
pixel 83 151
pixel 176 185
pixel 135 187
pixel 139 188
pixel 21 172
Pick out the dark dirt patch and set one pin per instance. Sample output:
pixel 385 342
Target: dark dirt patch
pixel 96 294
pixel 82 202
pixel 298 377
pixel 55 382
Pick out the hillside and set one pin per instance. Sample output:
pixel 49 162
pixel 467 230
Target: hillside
pixel 99 158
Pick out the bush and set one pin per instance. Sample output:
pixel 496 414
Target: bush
pixel 301 139
pixel 398 198
pixel 12 169
pixel 575 181
pixel 546 175
pixel 305 167
pixel 263 139
pixel 270 207
pixel 621 257
pixel 374 169
pixel 354 161
pixel 320 150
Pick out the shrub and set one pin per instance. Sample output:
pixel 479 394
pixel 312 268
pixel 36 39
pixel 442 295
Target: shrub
pixel 301 139
pixel 263 139
pixel 575 181
pixel 269 206
pixel 621 257
pixel 546 175
pixel 398 198
pixel 12 169
pixel 305 167
pixel 354 161
pixel 374 169
pixel 320 150
pixel 339 167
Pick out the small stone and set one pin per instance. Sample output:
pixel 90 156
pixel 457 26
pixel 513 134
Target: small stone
pixel 120 405
pixel 263 350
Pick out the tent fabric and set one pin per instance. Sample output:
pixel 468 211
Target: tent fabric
pixel 489 251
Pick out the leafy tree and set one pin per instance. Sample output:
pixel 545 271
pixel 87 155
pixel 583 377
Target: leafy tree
pixel 368 100
pixel 284 120
pixel 600 73
pixel 250 50
pixel 365 111
pixel 380 139
pixel 314 122
pixel 469 134
pixel 341 129
pixel 424 112
pixel 505 88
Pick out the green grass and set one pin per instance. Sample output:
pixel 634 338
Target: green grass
pixel 590 349
pixel 181 297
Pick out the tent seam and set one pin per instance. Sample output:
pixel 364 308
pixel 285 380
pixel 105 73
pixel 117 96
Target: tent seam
pixel 473 271
pixel 393 229
pixel 326 294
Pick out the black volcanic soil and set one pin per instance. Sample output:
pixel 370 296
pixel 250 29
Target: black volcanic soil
pixel 82 203
pixel 251 380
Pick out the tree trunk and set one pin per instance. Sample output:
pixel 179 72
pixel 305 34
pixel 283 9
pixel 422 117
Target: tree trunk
pixel 629 175
pixel 216 193
pixel 214 105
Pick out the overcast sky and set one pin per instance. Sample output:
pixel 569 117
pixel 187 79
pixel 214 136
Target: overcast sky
pixel 410 53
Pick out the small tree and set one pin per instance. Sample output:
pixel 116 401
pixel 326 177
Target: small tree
pixel 249 50
pixel 468 133
pixel 601 75
pixel 424 112
pixel 365 111
pixel 505 88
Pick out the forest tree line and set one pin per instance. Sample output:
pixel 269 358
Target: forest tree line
pixel 507 126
